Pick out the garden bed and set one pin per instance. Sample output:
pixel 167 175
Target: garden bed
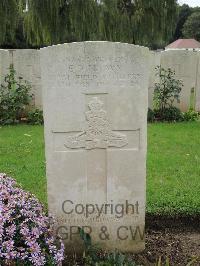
pixel 176 238
pixel 172 239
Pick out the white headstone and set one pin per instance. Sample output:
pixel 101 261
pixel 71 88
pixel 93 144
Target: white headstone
pixel 185 65
pixel 95 109
pixel 155 62
pixel 4 64
pixel 198 85
pixel 27 65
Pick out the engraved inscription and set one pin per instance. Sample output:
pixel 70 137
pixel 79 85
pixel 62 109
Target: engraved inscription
pixel 98 133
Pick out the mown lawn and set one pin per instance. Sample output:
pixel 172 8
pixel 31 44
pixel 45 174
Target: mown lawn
pixel 173 168
pixel 173 164
pixel 22 157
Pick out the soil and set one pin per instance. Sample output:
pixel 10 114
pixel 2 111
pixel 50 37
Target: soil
pixel 177 239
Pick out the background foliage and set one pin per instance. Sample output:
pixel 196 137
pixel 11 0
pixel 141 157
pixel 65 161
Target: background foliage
pixel 185 14
pixel 153 23
pixel 35 23
pixel 191 28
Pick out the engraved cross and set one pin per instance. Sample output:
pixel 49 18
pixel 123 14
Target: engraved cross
pixel 96 139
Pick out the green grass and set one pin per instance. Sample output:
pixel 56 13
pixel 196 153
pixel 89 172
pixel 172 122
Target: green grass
pixel 22 157
pixel 173 164
pixel 173 168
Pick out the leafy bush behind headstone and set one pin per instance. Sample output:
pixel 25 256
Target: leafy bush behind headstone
pixel 35 117
pixel 166 93
pixel 191 115
pixel 15 96
pixel 169 114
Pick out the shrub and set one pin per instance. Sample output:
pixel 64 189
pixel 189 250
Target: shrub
pixel 26 233
pixel 169 114
pixel 35 117
pixel 167 90
pixel 191 115
pixel 14 97
pixel 150 115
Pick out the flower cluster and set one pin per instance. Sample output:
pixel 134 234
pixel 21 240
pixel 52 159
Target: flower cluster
pixel 26 233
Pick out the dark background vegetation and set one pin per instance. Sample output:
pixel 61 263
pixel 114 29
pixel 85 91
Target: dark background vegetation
pixel 152 23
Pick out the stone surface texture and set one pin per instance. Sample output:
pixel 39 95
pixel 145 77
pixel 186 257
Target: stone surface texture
pixel 155 62
pixel 95 98
pixel 4 63
pixel 197 91
pixel 27 65
pixel 185 63
pixel 26 62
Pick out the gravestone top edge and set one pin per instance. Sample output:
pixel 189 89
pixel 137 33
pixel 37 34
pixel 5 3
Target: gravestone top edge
pixel 183 51
pixel 94 42
pixel 4 50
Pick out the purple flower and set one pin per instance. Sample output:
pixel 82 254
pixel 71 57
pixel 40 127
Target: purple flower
pixel 26 233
